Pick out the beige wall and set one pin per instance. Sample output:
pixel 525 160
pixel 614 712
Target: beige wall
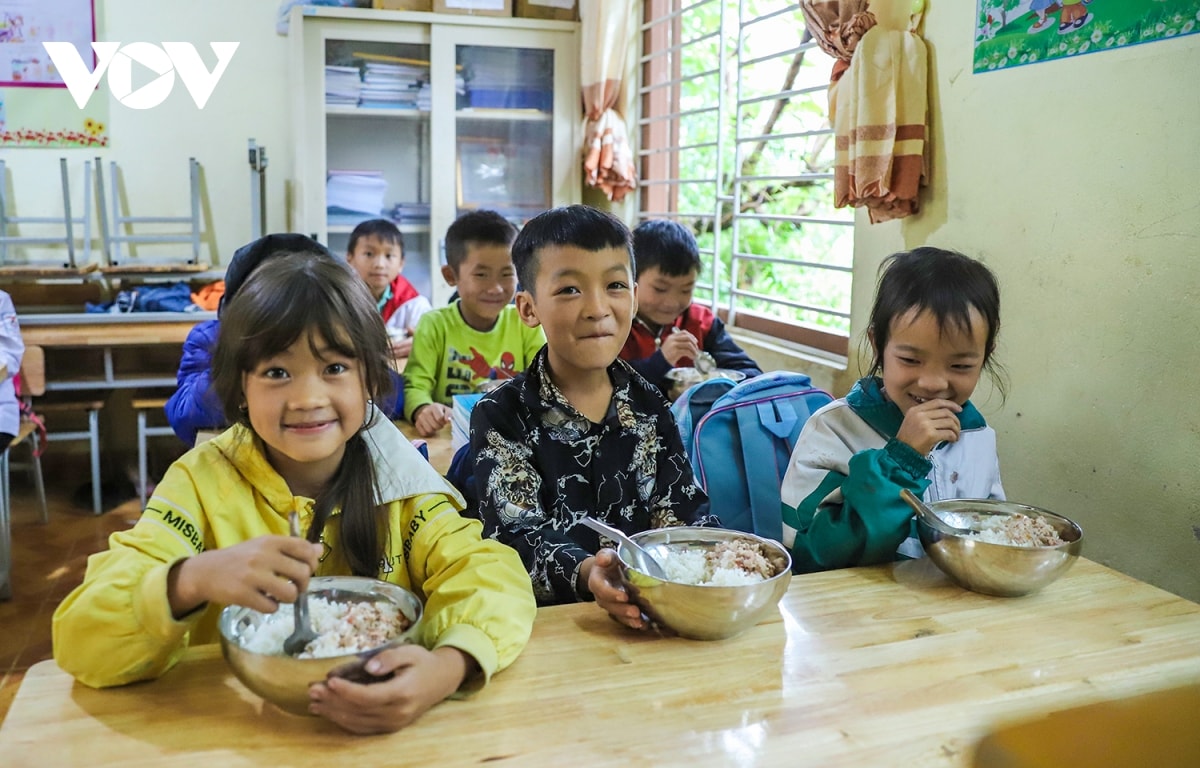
pixel 1076 181
pixel 152 146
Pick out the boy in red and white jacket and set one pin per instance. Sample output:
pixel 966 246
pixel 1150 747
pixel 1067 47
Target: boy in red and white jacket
pixel 669 330
pixel 376 251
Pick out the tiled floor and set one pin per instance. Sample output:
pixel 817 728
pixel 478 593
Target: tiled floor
pixel 48 561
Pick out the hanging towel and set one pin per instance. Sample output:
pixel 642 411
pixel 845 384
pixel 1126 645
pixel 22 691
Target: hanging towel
pixel 880 124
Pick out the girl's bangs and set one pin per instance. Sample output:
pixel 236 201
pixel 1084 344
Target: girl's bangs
pixel 309 312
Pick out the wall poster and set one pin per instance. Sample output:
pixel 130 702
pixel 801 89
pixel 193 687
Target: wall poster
pixel 36 110
pixel 1010 33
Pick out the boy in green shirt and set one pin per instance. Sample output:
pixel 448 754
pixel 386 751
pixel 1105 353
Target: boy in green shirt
pixel 478 338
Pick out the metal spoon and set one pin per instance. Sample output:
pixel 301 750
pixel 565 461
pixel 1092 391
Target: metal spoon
pixel 930 516
pixel 641 558
pixel 303 633
pixel 705 363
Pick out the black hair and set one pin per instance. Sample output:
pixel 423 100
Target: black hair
pixel 251 256
pixel 945 283
pixel 308 295
pixel 482 227
pixel 383 230
pixel 577 225
pixel 668 245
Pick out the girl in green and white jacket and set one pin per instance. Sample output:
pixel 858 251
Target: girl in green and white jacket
pixel 908 424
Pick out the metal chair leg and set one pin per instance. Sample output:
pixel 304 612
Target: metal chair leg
pixel 38 483
pixel 141 438
pixel 94 442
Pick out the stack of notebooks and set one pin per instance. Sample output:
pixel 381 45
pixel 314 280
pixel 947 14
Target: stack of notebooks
pixel 351 192
pixel 393 86
pixel 410 213
pixel 343 86
pixel 507 78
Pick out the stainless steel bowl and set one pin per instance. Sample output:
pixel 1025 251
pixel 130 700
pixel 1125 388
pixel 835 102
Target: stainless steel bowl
pixel 284 680
pixel 703 612
pixel 998 569
pixel 679 379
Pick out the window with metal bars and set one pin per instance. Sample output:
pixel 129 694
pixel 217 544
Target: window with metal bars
pixel 735 143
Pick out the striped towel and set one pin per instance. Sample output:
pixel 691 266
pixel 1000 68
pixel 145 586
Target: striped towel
pixel 880 121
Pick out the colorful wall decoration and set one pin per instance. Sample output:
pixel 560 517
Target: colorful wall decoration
pixel 1010 33
pixel 36 110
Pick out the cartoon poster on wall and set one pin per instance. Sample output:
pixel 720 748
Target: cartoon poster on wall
pixel 1010 33
pixel 38 111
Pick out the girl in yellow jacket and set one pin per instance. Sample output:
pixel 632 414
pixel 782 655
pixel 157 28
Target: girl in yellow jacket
pixel 301 352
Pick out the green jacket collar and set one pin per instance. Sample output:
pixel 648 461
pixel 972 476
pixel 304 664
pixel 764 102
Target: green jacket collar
pixel 872 406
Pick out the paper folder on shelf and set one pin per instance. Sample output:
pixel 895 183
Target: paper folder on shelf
pixel 356 191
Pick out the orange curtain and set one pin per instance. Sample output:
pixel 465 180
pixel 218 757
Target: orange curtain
pixel 837 26
pixel 877 105
pixel 880 124
pixel 607 28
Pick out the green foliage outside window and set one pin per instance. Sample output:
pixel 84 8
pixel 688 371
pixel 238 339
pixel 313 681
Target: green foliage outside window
pixel 757 161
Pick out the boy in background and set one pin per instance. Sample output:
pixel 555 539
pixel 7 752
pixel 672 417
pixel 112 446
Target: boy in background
pixel 579 433
pixel 376 251
pixel 670 331
pixel 479 337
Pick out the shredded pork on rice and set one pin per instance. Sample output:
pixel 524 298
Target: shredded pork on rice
pixel 341 627
pixel 728 564
pixel 1015 530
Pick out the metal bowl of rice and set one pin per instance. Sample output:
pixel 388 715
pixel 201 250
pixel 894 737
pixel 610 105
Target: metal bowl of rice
pixel 680 379
pixel 355 618
pixel 721 582
pixel 1014 550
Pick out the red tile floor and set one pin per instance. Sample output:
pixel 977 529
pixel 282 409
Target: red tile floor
pixel 48 561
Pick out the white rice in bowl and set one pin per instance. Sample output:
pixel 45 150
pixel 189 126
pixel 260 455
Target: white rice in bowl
pixel 1015 530
pixel 342 627
pixel 727 564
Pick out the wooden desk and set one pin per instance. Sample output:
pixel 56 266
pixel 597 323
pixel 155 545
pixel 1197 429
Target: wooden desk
pixel 108 332
pixel 439 445
pixel 882 666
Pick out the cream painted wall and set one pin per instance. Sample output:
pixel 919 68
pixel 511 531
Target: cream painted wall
pixel 152 146
pixel 1075 180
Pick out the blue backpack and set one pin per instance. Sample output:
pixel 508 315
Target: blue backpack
pixel 694 402
pixel 740 448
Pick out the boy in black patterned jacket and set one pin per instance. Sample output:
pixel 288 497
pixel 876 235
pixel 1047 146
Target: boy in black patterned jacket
pixel 580 432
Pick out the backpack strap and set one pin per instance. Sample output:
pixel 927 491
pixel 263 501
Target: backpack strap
pixel 763 432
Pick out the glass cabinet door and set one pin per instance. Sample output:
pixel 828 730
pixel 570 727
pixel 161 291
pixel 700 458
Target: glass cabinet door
pixel 503 128
pixel 377 144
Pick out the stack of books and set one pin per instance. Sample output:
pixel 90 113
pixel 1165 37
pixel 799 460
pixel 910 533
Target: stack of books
pixel 392 86
pixel 410 213
pixel 510 78
pixel 347 192
pixel 343 86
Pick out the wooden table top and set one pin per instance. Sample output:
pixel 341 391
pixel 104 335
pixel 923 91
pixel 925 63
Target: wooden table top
pixel 890 665
pixel 98 330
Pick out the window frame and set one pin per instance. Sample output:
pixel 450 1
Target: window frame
pixel 660 117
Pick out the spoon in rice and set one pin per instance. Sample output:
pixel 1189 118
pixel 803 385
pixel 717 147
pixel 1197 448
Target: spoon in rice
pixel 931 517
pixel 303 633
pixel 640 558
